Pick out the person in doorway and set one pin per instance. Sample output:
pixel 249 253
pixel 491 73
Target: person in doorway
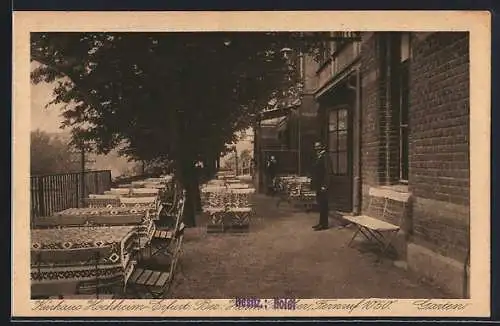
pixel 319 183
pixel 271 173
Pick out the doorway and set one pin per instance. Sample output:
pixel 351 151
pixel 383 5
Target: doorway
pixel 339 147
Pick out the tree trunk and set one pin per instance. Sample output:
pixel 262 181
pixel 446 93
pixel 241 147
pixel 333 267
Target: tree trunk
pixel 190 182
pixel 197 194
pixel 189 206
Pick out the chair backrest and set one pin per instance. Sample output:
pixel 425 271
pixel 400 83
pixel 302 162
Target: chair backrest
pixel 389 204
pixel 180 209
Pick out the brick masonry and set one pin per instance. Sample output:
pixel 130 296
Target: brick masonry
pixel 439 142
pixel 369 103
pixel 439 129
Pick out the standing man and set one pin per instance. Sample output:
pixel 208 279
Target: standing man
pixel 271 173
pixel 319 183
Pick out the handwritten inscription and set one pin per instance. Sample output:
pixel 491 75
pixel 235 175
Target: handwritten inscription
pixel 165 306
pixel 430 304
pixel 336 305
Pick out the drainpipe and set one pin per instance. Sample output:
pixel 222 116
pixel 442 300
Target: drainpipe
pixel 299 145
pixel 357 193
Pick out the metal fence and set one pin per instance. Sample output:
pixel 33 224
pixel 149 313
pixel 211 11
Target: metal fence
pixel 55 192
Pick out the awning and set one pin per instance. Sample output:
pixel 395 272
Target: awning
pixel 273 121
pixel 278 111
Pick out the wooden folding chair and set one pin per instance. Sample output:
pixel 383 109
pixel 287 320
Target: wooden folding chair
pixel 168 207
pixel 162 238
pixel 151 277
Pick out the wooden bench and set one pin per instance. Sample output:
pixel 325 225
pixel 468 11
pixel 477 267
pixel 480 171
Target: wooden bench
pixel 389 203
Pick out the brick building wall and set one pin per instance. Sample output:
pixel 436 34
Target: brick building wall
pixel 439 128
pixel 439 146
pixel 438 119
pixel 371 93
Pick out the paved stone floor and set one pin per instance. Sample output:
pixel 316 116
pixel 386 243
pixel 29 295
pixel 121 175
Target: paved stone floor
pixel 282 256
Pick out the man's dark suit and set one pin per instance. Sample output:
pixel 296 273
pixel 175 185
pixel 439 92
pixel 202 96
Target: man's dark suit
pixel 319 183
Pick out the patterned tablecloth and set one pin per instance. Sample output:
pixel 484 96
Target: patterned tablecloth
pixel 120 243
pixel 227 206
pixel 229 216
pixel 79 237
pixel 139 201
pixel 144 192
pixel 96 200
pixel 226 197
pixel 295 187
pixel 141 217
pixel 115 211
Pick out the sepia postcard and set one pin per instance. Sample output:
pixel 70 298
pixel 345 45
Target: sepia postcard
pixel 257 164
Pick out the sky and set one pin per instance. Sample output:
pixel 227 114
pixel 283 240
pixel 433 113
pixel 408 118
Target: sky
pixel 46 119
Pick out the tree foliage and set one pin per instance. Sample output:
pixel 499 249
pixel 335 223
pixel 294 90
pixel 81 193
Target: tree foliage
pixel 51 154
pixel 175 97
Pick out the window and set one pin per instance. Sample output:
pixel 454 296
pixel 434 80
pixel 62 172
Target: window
pixel 337 141
pixel 405 53
pixel 341 40
pixel 325 50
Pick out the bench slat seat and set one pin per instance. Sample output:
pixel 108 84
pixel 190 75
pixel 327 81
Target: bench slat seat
pixel 372 223
pixel 378 230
